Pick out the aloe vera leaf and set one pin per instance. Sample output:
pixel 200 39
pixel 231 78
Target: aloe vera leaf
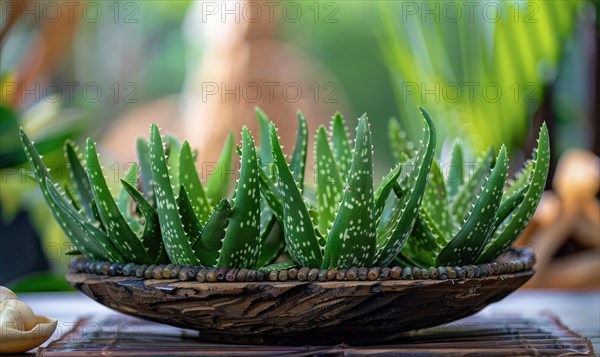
pixel 273 242
pixel 264 149
pixel 191 224
pixel 394 234
pixel 91 229
pixel 151 236
pixel 468 243
pixel 131 176
pixel 90 234
pixel 298 162
pixel 124 239
pixel 268 188
pixel 80 180
pixel 75 233
pixel 468 192
pixel 351 241
pixel 285 265
pixel 509 205
pixel 388 209
pixel 411 252
pixel 300 236
pixel 456 170
pixel 271 194
pixel 217 184
pixel 385 188
pixel 188 176
pixel 521 180
pixel 330 187
pixel 424 243
pixel 175 239
pixel 70 195
pixel 242 237
pixel 402 148
pixel 398 190
pixel 209 245
pixel 435 201
pixel 143 156
pixel 173 150
pixel 510 229
pixel 123 199
pixel 341 145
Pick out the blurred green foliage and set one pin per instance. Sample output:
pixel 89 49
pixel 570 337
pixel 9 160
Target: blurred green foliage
pixel 480 67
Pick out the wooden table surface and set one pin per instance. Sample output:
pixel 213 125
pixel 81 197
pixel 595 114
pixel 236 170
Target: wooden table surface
pixel 580 311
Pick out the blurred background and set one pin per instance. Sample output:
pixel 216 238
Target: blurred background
pixel 487 71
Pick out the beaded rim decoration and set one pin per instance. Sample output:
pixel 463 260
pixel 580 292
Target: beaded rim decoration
pixel 512 261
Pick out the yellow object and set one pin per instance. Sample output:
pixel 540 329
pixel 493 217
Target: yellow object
pixel 20 329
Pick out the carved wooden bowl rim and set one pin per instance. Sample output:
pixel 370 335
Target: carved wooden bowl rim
pixel 365 310
pixel 514 260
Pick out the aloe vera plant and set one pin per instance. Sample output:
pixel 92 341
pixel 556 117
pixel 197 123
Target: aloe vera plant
pixel 472 220
pixel 341 229
pixel 173 219
pixel 165 213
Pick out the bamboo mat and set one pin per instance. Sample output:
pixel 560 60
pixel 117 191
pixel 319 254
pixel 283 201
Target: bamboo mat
pixel 118 335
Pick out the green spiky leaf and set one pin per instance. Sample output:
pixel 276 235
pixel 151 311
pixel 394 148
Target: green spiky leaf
pixel 271 194
pixel 330 187
pixel 456 171
pixel 131 177
pixel 124 239
pixel 468 243
pixel 435 200
pixel 522 179
pixel 509 204
pixel 351 241
pixel 80 180
pixel 242 238
pixel 91 234
pixel 467 195
pixel 173 150
pixel 209 245
pixel 188 176
pixel 341 145
pixel 70 195
pixel 151 236
pixel 189 220
pixel 425 242
pixel 273 242
pixel 264 150
pixel 123 199
pixel 510 229
pixel 217 184
pixel 402 148
pixel 300 235
pixel 298 163
pixel 394 234
pixel 175 239
pixel 383 191
pixel 143 156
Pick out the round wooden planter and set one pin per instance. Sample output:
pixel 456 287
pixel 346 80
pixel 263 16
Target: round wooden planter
pixel 359 311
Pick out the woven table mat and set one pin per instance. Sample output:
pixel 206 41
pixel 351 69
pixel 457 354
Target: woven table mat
pixel 119 335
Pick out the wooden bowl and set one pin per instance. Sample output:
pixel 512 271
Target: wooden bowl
pixel 306 312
